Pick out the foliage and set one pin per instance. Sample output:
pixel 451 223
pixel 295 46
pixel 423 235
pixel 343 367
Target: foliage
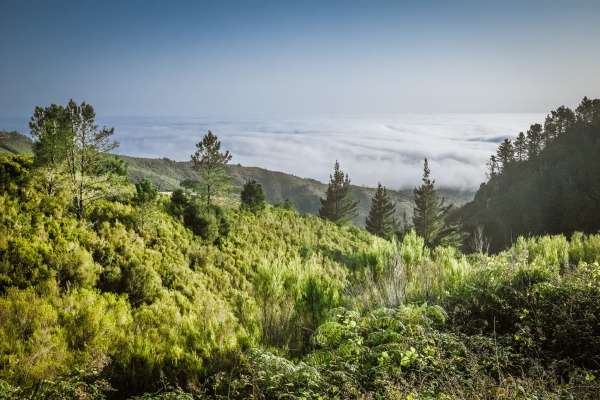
pixel 430 217
pixel 381 220
pixel 338 205
pixel 145 197
pixel 140 308
pixel 71 149
pixel 551 189
pixel 210 163
pixel 252 196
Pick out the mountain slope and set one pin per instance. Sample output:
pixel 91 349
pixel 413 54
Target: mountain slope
pixel 304 193
pixel 554 190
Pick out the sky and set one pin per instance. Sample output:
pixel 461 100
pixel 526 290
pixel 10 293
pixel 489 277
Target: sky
pixel 342 68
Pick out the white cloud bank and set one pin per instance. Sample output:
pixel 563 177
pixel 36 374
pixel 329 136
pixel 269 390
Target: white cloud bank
pixel 389 149
pixel 386 148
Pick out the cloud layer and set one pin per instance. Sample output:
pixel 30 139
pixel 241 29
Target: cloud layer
pixel 389 149
pixel 385 148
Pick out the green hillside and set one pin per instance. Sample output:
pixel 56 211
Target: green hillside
pixel 304 193
pixel 14 142
pixel 128 301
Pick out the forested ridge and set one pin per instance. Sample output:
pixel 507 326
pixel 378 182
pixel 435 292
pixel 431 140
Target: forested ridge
pixel 544 181
pixel 111 290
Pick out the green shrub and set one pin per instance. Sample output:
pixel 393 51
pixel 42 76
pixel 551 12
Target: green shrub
pixel 252 197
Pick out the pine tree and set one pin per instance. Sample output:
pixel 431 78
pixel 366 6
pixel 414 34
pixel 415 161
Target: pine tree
pixel 557 123
pixel 429 217
pixel 338 205
pixel 211 165
pixel 505 154
pixel 381 220
pixel 521 147
pixel 588 110
pixel 534 141
pixel 68 139
pixel 492 167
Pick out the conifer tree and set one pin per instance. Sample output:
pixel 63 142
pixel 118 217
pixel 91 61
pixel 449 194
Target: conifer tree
pixel 492 165
pixel 521 147
pixel 588 110
pixel 505 154
pixel 557 123
pixel 69 139
pixel 381 220
pixel 211 165
pixel 430 212
pixel 534 141
pixel 338 205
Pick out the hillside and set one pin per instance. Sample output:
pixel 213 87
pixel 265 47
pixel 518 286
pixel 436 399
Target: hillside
pixel 278 305
pixel 550 185
pixel 14 142
pixel 278 186
pixel 304 193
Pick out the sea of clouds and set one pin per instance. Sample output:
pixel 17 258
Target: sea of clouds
pixel 384 148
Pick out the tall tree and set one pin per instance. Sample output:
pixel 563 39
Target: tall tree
pixel 492 165
pixel 53 138
pixel 69 139
pixel 588 110
pixel 557 123
pixel 145 197
pixel 430 214
pixel 520 147
pixel 338 205
pixel 534 141
pixel 211 165
pixel 381 220
pixel 505 154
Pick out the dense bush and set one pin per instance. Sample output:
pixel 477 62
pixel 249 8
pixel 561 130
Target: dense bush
pixel 279 305
pixel 252 196
pixel 162 306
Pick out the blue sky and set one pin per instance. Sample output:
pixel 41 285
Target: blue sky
pixel 226 58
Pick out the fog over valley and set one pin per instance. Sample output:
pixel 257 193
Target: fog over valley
pixel 389 148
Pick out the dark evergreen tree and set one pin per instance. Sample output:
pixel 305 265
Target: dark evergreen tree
pixel 430 214
pixel 588 111
pixel 381 220
pixel 534 141
pixel 492 165
pixel 557 123
pixel 520 147
pixel 338 205
pixel 252 196
pixel 211 164
pixel 505 154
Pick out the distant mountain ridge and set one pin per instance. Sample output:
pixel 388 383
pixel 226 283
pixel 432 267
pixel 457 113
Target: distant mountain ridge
pixel 304 193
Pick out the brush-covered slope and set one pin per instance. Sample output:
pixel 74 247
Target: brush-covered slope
pixel 141 302
pixel 129 302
